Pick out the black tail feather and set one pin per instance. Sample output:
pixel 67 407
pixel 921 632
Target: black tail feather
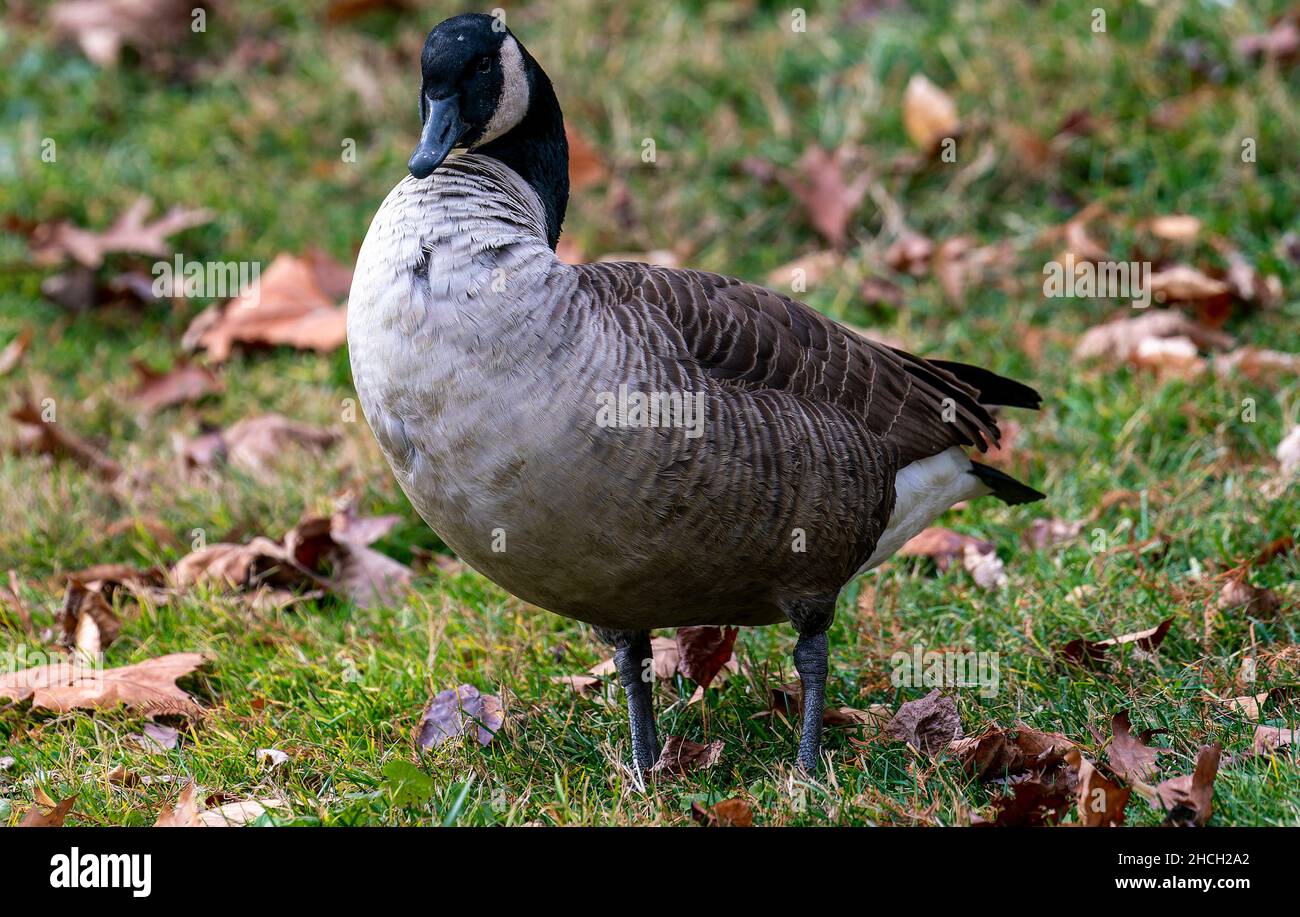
pixel 992 388
pixel 1004 487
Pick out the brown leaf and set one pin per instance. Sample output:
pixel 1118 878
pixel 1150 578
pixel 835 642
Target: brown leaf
pixel 662 649
pixel 11 601
pixel 103 27
pixel 36 436
pixel 829 198
pixel 729 813
pixel 997 753
pixel 51 818
pixel 131 233
pixel 929 114
pixel 581 684
pixel 66 686
pixel 341 11
pixel 806 272
pixel 255 444
pixel 943 545
pixel 356 571
pixel 1031 803
pixel 454 711
pixel 288 307
pixel 1174 227
pixel 1239 595
pixel 1270 738
pixel 680 756
pixel 1084 652
pixel 910 254
pixel 1100 801
pixel 14 351
pixel 184 382
pixel 1183 283
pixel 1248 706
pixel 1131 758
pixel 586 168
pixel 1048 533
pixel 89 622
pixel 703 651
pixel 929 725
pixel 1122 339
pixel 183 813
pixel 1257 364
pixel 1189 800
pixel 333 277
pixel 787 700
pixel 240 812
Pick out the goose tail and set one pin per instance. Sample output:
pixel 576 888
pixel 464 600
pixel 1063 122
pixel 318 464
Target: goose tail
pixel 1004 487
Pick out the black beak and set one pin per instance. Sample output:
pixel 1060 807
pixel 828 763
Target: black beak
pixel 442 129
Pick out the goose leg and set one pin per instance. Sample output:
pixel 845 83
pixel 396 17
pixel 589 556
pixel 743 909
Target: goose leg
pixel 632 657
pixel 811 655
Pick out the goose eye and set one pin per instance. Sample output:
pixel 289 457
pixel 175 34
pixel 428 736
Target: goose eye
pixel 484 64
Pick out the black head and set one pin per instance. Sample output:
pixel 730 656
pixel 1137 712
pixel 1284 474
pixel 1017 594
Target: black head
pixel 481 90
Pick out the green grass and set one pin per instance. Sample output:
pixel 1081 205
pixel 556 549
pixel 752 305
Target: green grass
pixel 341 689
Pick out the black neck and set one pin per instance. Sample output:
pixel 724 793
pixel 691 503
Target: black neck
pixel 537 149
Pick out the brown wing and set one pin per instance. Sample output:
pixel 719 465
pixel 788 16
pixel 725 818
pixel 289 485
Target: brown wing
pixel 754 338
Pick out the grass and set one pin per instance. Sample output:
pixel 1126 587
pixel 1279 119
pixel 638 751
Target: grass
pixel 341 689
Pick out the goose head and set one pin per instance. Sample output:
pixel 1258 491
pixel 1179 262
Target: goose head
pixel 481 91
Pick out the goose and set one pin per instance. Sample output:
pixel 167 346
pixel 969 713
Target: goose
pixel 629 445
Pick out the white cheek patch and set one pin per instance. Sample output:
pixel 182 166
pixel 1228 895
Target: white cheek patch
pixel 513 103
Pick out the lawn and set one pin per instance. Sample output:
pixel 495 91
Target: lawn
pixel 1173 479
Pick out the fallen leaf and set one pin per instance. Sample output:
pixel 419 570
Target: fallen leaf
pixel 664 651
pixel 1288 453
pixel 1001 754
pixel 1175 227
pixel 130 233
pixel 910 254
pixel 103 27
pixel 1270 738
pixel 1248 706
pixel 1239 595
pixel 586 168
pixel 454 711
pixel 157 737
pixel 272 757
pixel 929 114
pixel 1183 283
pixel 11 600
pixel 1083 651
pixel 36 436
pixel 66 686
pixel 680 756
pixel 729 813
pixel 184 382
pixel 1099 800
pixel 255 444
pixel 941 545
pixel 14 351
pixel 703 651
pixel 1257 363
pixel 1131 758
pixel 806 272
pixel 53 815
pixel 1048 533
pixel 183 813
pixel 288 307
pixel 929 725
pixel 89 622
pixel 241 812
pixel 1189 800
pixel 828 197
pixel 1280 43
pixel 581 684
pixel 1121 339
pixel 355 571
pixel 787 700
pixel 1031 803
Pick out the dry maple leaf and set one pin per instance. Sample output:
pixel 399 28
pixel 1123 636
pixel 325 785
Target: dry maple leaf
pixel 829 199
pixel 1001 754
pixel 1267 739
pixel 288 307
pixel 52 817
pixel 929 725
pixel 62 687
pixel 929 114
pixel 255 444
pixel 1048 533
pixel 729 813
pixel 454 712
pixel 1031 803
pixel 103 27
pixel 131 232
pixel 184 382
pixel 356 571
pixel 1083 651
pixel 1129 755
pixel 183 813
pixel 1189 800
pixel 36 436
pixel 680 756
pixel 1183 283
pixel 944 545
pixel 703 651
pixel 1099 800
pixel 1239 595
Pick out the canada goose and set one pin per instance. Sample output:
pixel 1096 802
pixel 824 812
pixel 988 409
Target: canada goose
pixel 536 412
